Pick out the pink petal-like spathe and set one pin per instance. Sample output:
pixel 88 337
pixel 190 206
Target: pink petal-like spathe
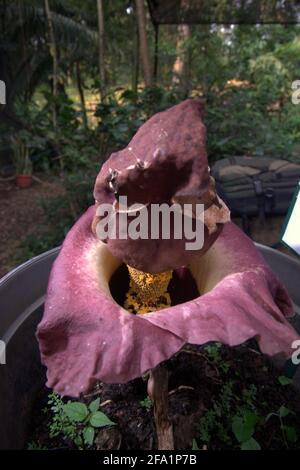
pixel 85 336
pixel 165 162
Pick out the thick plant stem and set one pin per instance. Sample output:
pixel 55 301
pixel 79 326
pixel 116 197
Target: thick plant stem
pixel 158 392
pixel 148 292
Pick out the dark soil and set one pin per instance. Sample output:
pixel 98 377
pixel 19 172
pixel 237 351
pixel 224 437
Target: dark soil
pixel 208 387
pixel 21 213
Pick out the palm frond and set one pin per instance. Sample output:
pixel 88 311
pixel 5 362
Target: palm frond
pixel 24 48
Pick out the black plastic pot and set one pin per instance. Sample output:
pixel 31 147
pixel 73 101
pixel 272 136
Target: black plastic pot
pixel 22 294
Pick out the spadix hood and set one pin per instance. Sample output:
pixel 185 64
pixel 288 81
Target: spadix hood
pixel 165 162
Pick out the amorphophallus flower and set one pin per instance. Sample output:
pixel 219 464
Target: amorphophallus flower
pixel 165 163
pixel 86 336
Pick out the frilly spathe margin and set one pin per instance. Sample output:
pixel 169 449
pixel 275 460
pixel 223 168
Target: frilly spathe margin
pixel 85 336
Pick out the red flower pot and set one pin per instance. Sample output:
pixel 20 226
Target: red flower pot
pixel 23 181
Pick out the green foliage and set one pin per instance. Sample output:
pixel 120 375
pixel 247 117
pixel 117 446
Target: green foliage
pixel 249 395
pixel 195 445
pixel 243 427
pixel 284 380
pixel 75 411
pixel 284 411
pixel 213 352
pixel 35 446
pixel 250 444
pixel 231 416
pixel 24 52
pixel 235 418
pixel 67 147
pixel 253 117
pixel 289 433
pixel 219 422
pixel 238 124
pixel 146 403
pixel 212 423
pixel 60 423
pixel 271 78
pixel 76 421
pixel 244 73
pixel 98 420
pixel 120 117
pixel 20 152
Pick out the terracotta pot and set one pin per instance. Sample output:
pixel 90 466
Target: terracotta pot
pixel 23 181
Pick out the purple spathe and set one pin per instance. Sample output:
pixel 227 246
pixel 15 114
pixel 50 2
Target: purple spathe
pixel 165 162
pixel 85 336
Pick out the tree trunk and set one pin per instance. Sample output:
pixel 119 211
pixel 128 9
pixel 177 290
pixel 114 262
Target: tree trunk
pixel 158 392
pixel 155 68
pixel 53 52
pixel 144 49
pixel 81 94
pixel 135 59
pixel 101 48
pixel 181 67
pixel 24 52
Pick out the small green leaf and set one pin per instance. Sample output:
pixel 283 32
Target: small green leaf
pixel 76 411
pixel 250 418
pixel 94 405
pixel 99 419
pixel 290 433
pixel 78 441
pixel 146 403
pixel 251 444
pixel 241 429
pixel 283 411
pixel 89 435
pixel 283 380
pixel 195 445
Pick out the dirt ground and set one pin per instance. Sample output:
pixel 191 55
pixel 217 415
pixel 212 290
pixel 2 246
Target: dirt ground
pixel 20 212
pixel 208 389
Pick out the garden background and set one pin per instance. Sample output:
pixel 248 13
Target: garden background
pixel 81 77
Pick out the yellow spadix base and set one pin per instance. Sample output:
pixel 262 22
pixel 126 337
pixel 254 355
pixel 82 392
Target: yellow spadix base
pixel 147 292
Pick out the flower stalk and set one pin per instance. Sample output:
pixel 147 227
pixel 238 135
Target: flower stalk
pixel 148 293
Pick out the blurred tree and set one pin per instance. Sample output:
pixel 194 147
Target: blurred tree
pixel 244 72
pixel 23 69
pixel 144 49
pixel 182 64
pixel 81 93
pixel 101 48
pixel 53 53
